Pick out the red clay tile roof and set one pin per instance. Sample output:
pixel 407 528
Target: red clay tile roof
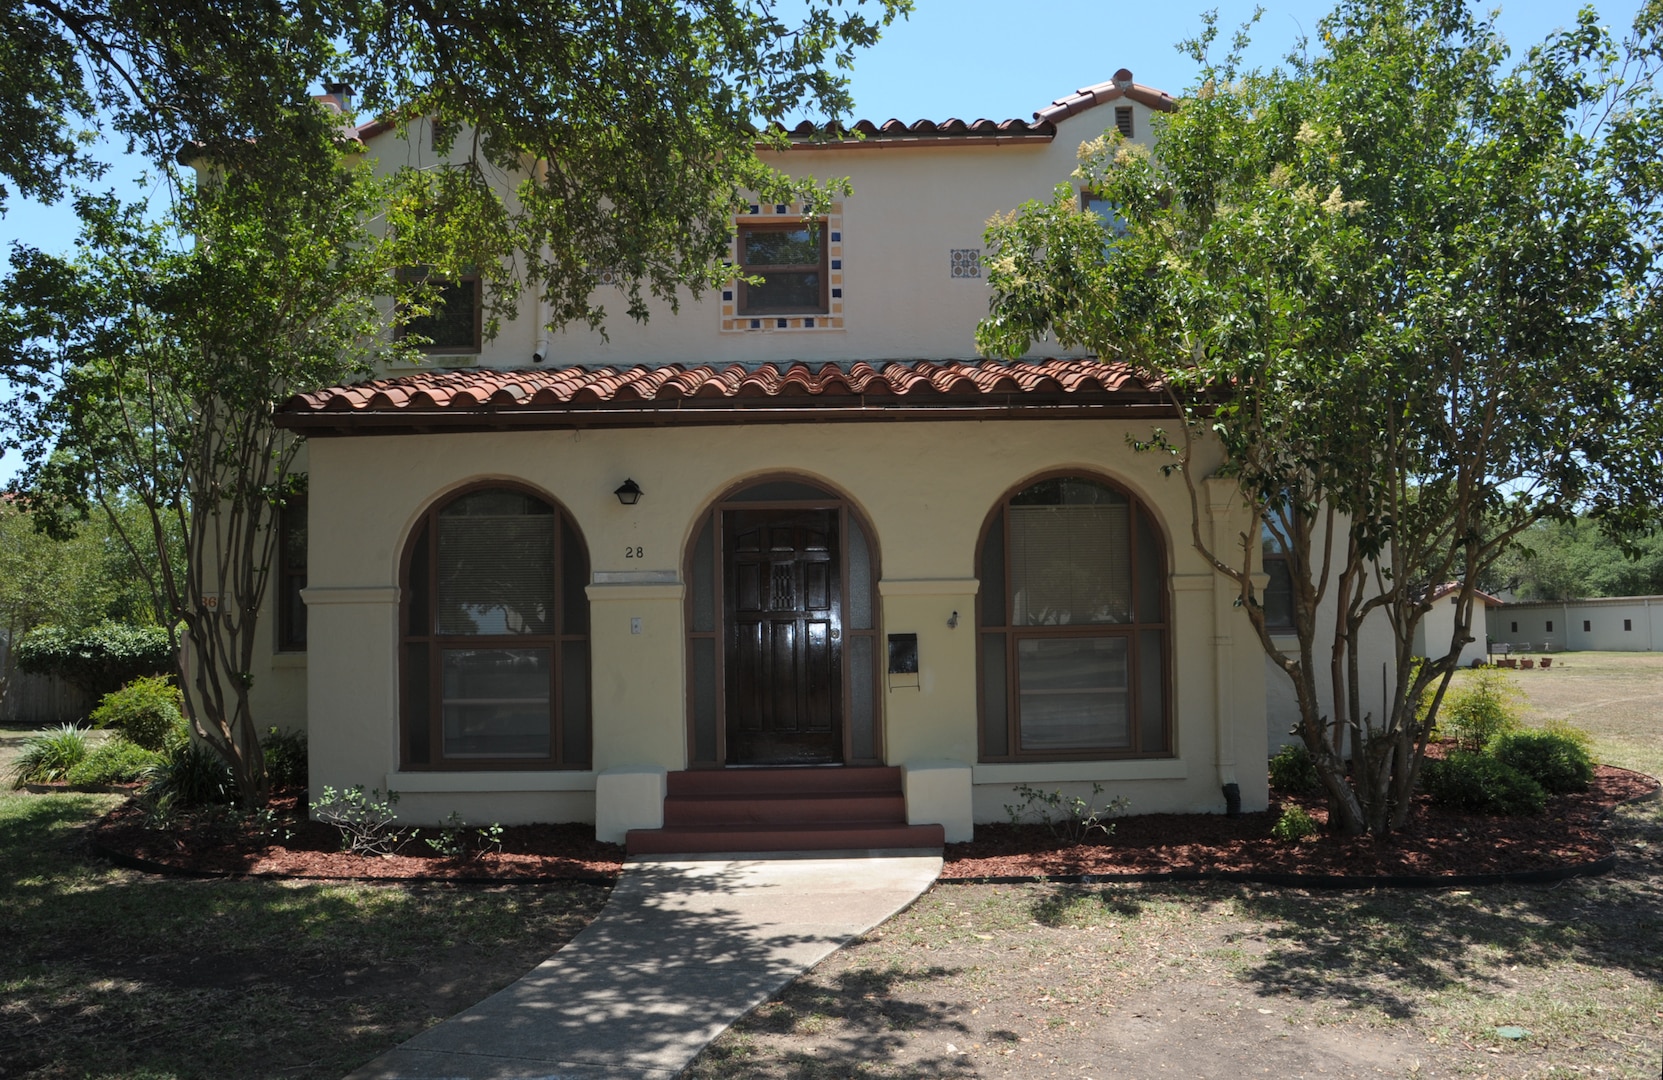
pixel 809 136
pixel 672 394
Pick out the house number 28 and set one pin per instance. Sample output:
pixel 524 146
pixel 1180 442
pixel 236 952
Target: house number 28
pixel 635 553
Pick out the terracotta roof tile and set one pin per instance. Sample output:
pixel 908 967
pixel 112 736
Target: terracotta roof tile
pixel 803 390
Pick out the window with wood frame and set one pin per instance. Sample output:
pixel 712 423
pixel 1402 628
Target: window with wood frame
pixel 291 575
pixel 455 325
pixel 1072 616
pixel 495 643
pixel 790 257
pixel 1277 599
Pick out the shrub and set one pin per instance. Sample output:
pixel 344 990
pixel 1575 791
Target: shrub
pixel 98 660
pixel 145 712
pixel 1294 824
pixel 189 774
pixel 285 753
pixel 365 822
pixel 1553 760
pixel 1292 771
pixel 1479 782
pixel 49 756
pixel 116 762
pixel 1482 709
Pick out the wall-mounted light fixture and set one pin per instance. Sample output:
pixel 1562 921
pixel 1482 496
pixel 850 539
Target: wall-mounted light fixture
pixel 629 493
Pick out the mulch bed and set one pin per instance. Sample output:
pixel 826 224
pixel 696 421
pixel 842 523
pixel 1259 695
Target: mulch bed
pixel 1436 843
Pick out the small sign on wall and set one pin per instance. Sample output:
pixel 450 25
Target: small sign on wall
pixel 903 661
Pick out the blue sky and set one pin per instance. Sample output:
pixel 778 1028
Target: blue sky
pixel 998 59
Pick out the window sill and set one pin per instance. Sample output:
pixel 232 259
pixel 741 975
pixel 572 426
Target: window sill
pixel 1046 772
pixel 447 782
pixel 291 658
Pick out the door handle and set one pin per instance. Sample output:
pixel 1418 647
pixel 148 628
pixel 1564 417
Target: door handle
pixel 836 634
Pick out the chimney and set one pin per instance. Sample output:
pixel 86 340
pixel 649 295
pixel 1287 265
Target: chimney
pixel 340 93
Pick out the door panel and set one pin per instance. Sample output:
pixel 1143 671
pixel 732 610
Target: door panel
pixel 784 637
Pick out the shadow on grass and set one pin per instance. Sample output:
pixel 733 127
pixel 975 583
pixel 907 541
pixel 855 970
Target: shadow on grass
pixel 107 972
pixel 1389 948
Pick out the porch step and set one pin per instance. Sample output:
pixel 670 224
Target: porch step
pixel 801 809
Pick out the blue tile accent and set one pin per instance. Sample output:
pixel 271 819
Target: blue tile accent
pixel 779 208
pixel 837 264
pixel 837 294
pixel 780 323
pixel 756 324
pixel 755 209
pixel 808 324
pixel 727 294
pixel 837 238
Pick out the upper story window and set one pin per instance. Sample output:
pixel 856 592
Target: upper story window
pixel 1093 203
pixel 790 257
pixel 454 325
pixel 1073 626
pixel 1278 595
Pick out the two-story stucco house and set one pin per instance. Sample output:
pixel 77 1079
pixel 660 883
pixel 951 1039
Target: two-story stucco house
pixel 793 558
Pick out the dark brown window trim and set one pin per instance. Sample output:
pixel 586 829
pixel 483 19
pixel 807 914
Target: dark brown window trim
pixel 743 305
pixel 291 579
pixel 401 328
pixel 1012 634
pixel 425 529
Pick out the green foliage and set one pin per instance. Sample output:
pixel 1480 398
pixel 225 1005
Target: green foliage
pixel 1480 783
pixel 49 756
pixel 1568 560
pixel 455 841
pixel 286 760
pixel 1292 771
pixel 100 659
pixel 366 822
pixel 1294 824
pixel 146 711
pixel 115 762
pixel 1480 710
pixel 1070 818
pixel 189 775
pixel 1413 332
pixel 1553 760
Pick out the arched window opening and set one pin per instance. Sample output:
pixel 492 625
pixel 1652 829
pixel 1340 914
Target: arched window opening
pixel 1073 624
pixel 495 655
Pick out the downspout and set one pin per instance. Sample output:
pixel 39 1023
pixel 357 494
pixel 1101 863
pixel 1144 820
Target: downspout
pixel 1220 495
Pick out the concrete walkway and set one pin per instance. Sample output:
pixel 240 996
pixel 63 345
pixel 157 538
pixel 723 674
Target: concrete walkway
pixel 684 947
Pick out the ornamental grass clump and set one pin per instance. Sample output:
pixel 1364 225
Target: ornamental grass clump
pixel 48 757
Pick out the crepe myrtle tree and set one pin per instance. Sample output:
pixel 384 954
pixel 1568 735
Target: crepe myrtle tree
pixel 1406 286
pixel 572 135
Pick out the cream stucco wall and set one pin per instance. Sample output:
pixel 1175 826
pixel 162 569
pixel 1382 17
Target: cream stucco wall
pixel 926 490
pixel 910 206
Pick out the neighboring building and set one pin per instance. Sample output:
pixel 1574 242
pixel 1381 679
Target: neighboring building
pixel 1438 625
pixel 853 544
pixel 1614 623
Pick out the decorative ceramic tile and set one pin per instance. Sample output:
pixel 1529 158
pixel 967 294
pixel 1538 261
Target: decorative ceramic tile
pixel 832 318
pixel 965 262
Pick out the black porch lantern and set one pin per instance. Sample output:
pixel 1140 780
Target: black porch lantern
pixel 629 493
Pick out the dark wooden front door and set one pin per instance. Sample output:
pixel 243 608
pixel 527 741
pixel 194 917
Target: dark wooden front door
pixel 783 607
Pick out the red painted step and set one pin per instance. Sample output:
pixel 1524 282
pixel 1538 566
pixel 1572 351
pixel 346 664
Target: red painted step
pixel 799 809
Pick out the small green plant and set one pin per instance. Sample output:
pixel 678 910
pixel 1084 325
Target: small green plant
pixel 365 822
pixel 1070 818
pixel 116 762
pixel 490 839
pixel 1481 710
pixel 1294 824
pixel 49 756
pixel 1479 782
pixel 285 758
pixel 145 712
pixel 1553 760
pixel 1292 771
pixel 453 839
pixel 189 775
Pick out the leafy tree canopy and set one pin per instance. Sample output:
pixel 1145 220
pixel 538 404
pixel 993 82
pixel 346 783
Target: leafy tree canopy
pixel 1404 288
pixel 1569 560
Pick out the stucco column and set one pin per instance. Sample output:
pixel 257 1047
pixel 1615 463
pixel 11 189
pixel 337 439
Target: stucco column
pixel 352 685
pixel 637 655
pixel 1221 498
